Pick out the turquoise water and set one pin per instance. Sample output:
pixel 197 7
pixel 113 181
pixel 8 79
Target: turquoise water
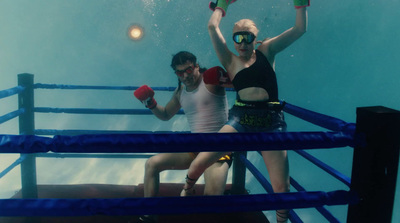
pixel 347 59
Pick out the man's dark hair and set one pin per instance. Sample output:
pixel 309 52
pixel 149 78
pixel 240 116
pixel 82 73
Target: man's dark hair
pixel 183 57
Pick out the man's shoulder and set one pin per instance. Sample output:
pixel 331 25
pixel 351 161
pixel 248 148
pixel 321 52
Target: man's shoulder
pixel 215 89
pixel 178 91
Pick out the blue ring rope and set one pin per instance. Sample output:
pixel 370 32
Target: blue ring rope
pixel 173 205
pixel 336 174
pixel 87 87
pixel 52 132
pixel 179 142
pixel 324 121
pixel 328 215
pixel 11 91
pixel 97 111
pixel 91 87
pixel 321 120
pixel 313 117
pixel 112 156
pixel 11 115
pixel 13 165
pixel 343 178
pixel 268 187
pixel 257 174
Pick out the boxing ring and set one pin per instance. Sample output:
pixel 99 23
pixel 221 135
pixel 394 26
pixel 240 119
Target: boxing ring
pixel 374 137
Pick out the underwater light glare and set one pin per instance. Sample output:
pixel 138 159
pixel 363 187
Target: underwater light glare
pixel 136 32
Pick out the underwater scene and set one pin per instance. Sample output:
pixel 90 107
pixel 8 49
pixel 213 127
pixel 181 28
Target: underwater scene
pixel 348 58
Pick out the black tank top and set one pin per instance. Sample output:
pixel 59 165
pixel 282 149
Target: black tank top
pixel 259 74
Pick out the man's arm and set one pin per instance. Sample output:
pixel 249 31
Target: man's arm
pixel 146 95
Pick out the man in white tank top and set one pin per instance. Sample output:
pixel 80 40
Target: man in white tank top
pixel 206 109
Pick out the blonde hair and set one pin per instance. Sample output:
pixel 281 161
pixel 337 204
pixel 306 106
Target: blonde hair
pixel 245 25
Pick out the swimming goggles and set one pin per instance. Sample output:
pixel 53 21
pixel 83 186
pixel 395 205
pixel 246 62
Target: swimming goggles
pixel 247 37
pixel 187 70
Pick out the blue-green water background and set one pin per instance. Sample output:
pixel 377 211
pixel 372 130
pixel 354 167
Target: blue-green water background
pixel 348 58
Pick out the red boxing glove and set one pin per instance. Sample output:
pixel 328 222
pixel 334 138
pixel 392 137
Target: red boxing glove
pixel 216 76
pixel 146 95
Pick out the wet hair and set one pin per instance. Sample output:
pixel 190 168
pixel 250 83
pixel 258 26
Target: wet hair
pixel 246 25
pixel 183 57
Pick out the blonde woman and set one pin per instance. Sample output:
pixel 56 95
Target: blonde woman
pixel 257 107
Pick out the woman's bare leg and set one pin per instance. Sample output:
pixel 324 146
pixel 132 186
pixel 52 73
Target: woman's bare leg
pixel 215 178
pixel 277 164
pixel 160 162
pixel 201 163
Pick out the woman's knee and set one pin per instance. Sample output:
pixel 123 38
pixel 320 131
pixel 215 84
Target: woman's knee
pixel 282 186
pixel 198 166
pixel 153 164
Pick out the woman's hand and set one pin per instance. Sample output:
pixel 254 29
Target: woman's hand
pixel 221 4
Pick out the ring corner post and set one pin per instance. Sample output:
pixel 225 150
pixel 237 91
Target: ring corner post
pixel 375 165
pixel 27 127
pixel 239 173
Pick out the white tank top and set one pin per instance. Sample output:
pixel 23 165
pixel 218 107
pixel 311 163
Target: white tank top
pixel 205 111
